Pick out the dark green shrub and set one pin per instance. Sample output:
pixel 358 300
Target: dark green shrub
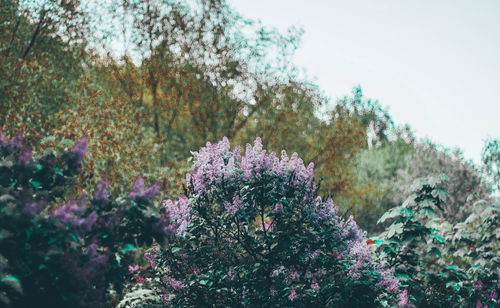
pixel 54 255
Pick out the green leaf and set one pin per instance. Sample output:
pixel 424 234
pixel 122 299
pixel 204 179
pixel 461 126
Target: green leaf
pixel 175 249
pixel 390 214
pixel 48 139
pixel 435 251
pixel 67 142
pixel 128 247
pixel 438 238
pixel 36 184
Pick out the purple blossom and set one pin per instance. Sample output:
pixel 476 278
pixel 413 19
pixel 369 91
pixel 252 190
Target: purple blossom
pixel 176 284
pixel 479 304
pixel 91 250
pixel 85 224
pixel 323 210
pixel 388 281
pixel 68 212
pixel 213 163
pixel 179 212
pixel 278 271
pixel 14 144
pixel 315 254
pixel 293 295
pixel 278 207
pixel 479 285
pixel 75 156
pixel 235 206
pixel 272 291
pixel 101 192
pixel 32 208
pixel 314 285
pixel 493 294
pixel 291 275
pixel 80 148
pixel 403 299
pixel 231 274
pixel 25 156
pixel 139 192
pixel 3 140
pixel 151 259
pixel 133 269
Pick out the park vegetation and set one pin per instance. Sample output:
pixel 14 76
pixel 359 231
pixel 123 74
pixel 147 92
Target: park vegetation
pixel 200 167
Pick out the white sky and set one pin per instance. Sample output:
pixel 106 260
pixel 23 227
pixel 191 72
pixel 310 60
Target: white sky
pixel 434 63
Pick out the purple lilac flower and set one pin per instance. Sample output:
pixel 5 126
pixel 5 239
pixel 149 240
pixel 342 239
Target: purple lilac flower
pixel 493 294
pixel 151 259
pixel 323 210
pixel 179 212
pixel 25 156
pixel 244 294
pixel 293 295
pixel 84 225
pixel 278 207
pixel 479 304
pixel 91 250
pixel 479 285
pixel 14 144
pixel 101 192
pixel 277 271
pixel 388 281
pixel 3 140
pixel 403 299
pixel 32 208
pixel 177 285
pixel 291 275
pixel 139 192
pixel 80 148
pixel 231 274
pixel 314 285
pixel 272 291
pixel 213 163
pixel 235 206
pixel 196 269
pixel 69 211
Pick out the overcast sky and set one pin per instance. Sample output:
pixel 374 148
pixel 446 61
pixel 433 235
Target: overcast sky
pixel 434 63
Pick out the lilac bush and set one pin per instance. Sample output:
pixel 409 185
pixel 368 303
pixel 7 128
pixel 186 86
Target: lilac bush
pixel 252 231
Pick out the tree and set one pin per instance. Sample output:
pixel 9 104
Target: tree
pixel 42 46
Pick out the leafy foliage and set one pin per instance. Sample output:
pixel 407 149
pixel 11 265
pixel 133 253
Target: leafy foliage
pixel 436 261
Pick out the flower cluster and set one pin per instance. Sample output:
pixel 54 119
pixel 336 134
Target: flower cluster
pixel 139 192
pixel 179 212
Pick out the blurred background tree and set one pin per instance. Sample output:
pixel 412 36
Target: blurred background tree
pixel 191 72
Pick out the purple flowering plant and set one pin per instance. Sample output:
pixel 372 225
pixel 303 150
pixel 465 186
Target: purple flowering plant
pixel 57 251
pixel 252 231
